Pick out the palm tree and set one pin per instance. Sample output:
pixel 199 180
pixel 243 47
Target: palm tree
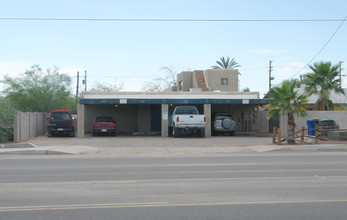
pixel 322 80
pixel 288 102
pixel 226 64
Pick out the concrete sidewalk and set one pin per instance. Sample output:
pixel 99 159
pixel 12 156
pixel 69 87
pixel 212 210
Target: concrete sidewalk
pixel 158 146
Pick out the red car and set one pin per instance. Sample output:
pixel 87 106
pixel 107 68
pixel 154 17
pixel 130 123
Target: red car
pixel 104 125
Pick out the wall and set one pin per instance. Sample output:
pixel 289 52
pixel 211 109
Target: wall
pixel 28 125
pixel 187 78
pixel 144 118
pixel 339 116
pixel 263 122
pixel 213 79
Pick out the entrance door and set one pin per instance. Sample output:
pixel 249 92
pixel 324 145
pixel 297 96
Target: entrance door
pixel 155 118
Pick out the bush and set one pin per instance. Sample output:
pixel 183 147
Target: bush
pixel 6 120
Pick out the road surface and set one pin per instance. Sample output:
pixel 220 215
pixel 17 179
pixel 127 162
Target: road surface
pixel 240 186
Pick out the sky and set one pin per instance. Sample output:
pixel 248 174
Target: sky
pixel 133 52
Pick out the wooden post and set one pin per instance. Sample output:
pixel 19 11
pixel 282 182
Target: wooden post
pixel 274 135
pixel 279 136
pixel 302 134
pixel 316 134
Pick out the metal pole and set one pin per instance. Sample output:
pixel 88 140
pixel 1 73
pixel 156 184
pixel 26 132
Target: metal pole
pixel 270 68
pixel 340 73
pixel 85 80
pixel 78 80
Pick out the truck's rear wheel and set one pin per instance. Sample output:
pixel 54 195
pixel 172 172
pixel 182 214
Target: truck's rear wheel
pixel 175 132
pixel 202 133
pixel 72 133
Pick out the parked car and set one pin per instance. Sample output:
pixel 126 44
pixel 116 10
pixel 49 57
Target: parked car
pixel 187 120
pixel 104 125
pixel 224 123
pixel 60 122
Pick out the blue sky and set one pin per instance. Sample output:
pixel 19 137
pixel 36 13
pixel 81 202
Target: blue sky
pixel 133 52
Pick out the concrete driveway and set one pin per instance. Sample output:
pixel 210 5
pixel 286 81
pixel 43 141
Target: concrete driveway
pixel 154 145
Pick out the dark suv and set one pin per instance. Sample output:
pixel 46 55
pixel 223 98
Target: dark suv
pixel 224 123
pixel 60 122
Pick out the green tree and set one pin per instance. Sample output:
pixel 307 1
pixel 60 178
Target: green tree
pixel 287 101
pixel 41 91
pixel 6 119
pixel 246 90
pixel 323 79
pixel 226 63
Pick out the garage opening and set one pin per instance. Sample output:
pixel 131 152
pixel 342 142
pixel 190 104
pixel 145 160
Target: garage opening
pixel 244 115
pixel 141 119
pixel 155 118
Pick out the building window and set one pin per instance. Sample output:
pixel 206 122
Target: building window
pixel 180 85
pixel 224 81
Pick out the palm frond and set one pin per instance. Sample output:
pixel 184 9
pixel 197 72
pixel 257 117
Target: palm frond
pixel 226 63
pixel 322 79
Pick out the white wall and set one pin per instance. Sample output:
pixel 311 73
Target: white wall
pixel 339 116
pixel 27 125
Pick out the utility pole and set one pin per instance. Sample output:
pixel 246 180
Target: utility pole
pixel 340 80
pixel 85 80
pixel 78 80
pixel 270 77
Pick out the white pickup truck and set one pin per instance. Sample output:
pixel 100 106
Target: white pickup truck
pixel 186 120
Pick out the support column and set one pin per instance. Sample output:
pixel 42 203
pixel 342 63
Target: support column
pixel 207 113
pixel 164 120
pixel 80 120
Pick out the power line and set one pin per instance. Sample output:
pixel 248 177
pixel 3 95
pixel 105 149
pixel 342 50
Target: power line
pixel 165 20
pixel 253 68
pixel 338 28
pixel 122 76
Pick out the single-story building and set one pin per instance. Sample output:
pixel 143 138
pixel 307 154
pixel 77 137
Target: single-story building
pixel 143 112
pixel 211 91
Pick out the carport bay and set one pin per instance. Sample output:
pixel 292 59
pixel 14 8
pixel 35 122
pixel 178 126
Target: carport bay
pixel 147 113
pixel 130 118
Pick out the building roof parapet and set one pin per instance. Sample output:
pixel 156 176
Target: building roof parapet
pixel 178 95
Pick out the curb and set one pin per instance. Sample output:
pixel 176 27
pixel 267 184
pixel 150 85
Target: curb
pixel 55 150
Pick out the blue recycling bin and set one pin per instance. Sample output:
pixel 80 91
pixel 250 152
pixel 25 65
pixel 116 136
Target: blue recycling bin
pixel 310 126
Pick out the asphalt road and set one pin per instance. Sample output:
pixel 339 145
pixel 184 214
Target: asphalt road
pixel 241 186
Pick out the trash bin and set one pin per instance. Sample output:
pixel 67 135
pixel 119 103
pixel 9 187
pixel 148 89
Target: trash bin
pixel 310 127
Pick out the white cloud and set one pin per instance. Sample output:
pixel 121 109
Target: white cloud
pixel 290 69
pixel 133 86
pixel 13 68
pixel 72 71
